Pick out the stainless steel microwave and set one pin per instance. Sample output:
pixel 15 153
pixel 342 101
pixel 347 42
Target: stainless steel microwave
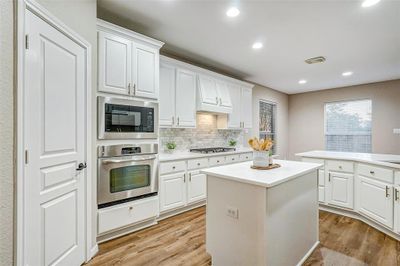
pixel 126 119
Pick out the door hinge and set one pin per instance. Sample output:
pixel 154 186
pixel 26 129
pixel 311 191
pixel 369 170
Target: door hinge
pixel 26 41
pixel 26 157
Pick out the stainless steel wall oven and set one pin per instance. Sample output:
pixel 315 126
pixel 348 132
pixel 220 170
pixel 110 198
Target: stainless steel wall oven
pixel 126 172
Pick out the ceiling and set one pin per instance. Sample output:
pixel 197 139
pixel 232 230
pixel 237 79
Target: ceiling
pixel 365 41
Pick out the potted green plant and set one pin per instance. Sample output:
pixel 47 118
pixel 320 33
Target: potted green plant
pixel 170 145
pixel 232 142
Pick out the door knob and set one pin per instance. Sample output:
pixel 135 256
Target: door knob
pixel 81 166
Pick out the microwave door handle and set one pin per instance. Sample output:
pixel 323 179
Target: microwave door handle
pixel 131 160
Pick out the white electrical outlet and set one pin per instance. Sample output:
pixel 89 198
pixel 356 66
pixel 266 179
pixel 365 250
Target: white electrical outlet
pixel 232 212
pixel 396 130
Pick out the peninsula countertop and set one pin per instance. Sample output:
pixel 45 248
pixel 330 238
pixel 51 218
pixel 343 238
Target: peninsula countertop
pixel 388 160
pixel 242 172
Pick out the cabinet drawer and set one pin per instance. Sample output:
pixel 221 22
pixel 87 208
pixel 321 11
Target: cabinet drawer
pixel 128 213
pixel 375 172
pixel 217 160
pixel 197 163
pixel 246 156
pixel 321 194
pixel 340 166
pixel 172 167
pixel 321 178
pixel 232 158
pixel 314 160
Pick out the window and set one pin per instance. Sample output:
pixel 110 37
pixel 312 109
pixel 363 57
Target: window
pixel 267 122
pixel 348 126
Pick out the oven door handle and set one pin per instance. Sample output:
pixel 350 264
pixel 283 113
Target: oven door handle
pixel 139 158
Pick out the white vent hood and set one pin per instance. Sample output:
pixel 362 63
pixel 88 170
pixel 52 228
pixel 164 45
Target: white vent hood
pixel 213 95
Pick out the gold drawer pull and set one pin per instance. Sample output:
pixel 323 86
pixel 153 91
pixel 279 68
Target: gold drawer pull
pixel 387 192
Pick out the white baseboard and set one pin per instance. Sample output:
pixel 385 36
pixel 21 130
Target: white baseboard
pixel 308 253
pixel 167 214
pixel 93 252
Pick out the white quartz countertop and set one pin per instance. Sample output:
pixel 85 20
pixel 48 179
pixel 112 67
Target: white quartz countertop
pixel 242 172
pixel 388 160
pixel 183 155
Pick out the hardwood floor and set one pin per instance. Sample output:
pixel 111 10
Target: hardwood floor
pixel 180 240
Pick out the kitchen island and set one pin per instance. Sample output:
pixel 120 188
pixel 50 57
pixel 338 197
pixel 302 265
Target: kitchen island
pixel 262 217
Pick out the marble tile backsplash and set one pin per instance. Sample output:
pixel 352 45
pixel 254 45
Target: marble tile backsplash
pixel 205 134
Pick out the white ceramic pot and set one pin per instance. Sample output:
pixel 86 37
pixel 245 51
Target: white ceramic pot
pixel 261 158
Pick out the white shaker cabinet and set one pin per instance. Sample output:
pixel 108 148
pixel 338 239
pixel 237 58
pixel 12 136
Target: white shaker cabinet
pixel 197 186
pixel 145 71
pixel 247 108
pixel 340 189
pixel 185 99
pixel 114 63
pixel 177 96
pixel 172 191
pixel 224 94
pixel 234 118
pixel 375 200
pixel 128 62
pixel 167 95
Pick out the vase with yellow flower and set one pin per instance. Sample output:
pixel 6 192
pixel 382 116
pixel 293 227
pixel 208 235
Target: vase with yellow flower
pixel 261 151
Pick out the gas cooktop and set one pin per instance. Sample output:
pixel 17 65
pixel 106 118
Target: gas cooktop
pixel 212 150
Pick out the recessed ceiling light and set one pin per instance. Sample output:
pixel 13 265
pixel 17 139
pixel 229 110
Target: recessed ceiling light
pixel 302 81
pixel 232 12
pixel 348 73
pixel 368 3
pixel 257 45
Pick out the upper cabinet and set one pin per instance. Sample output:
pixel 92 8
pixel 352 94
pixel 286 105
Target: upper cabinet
pixel 128 62
pixel 213 95
pixel 186 89
pixel 177 97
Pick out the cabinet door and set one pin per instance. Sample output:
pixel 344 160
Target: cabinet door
pixel 197 188
pixel 167 95
pixel 185 99
pixel 375 200
pixel 396 196
pixel 208 90
pixel 114 63
pixel 145 71
pixel 340 189
pixel 234 117
pixel 247 108
pixel 172 191
pixel 223 94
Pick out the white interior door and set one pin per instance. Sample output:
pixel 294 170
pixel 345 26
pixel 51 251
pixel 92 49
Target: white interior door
pixel 54 137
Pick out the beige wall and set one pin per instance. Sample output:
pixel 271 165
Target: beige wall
pixel 6 132
pixel 306 116
pixel 281 100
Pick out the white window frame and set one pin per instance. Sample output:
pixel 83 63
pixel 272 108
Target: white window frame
pixel 345 101
pixel 275 123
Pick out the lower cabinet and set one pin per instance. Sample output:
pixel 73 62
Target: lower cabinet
pixel 172 191
pixel 375 200
pixel 396 196
pixel 340 189
pixel 196 187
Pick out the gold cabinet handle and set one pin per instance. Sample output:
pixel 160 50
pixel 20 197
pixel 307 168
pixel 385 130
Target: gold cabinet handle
pixel 387 191
pixel 396 194
pixel 184 178
pixel 190 177
pixel 129 88
pixel 178 120
pixel 329 177
pixel 134 89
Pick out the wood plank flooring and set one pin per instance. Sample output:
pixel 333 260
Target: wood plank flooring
pixel 180 240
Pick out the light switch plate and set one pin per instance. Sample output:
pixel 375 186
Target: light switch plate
pixel 396 130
